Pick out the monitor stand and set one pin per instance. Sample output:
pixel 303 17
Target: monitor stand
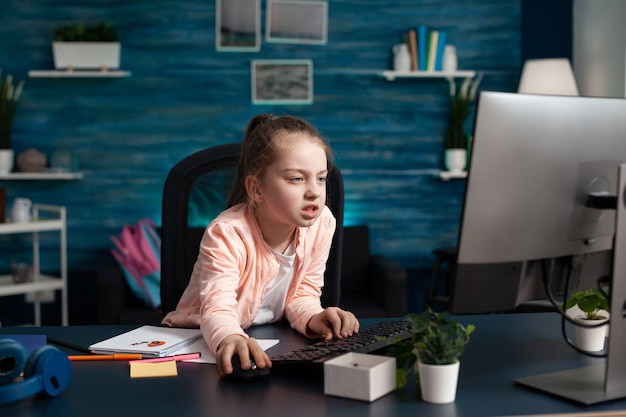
pixel 607 381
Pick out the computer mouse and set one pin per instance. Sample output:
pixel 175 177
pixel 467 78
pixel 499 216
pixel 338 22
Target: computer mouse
pixel 252 374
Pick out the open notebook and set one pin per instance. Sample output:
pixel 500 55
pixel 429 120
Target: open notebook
pixel 157 341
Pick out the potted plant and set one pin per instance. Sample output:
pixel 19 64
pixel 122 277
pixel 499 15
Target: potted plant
pixel 93 46
pixel 456 140
pixel 432 352
pixel 594 304
pixel 9 95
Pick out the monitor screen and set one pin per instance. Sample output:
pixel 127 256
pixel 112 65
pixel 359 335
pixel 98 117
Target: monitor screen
pixel 545 197
pixel 534 161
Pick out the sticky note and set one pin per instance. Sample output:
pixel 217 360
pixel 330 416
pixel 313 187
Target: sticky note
pixel 153 369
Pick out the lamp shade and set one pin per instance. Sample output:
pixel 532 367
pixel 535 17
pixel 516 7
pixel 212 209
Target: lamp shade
pixel 548 76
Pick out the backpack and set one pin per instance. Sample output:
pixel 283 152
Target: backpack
pixel 138 253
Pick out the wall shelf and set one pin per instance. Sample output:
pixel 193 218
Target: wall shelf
pixel 42 176
pixel 77 74
pixel 392 75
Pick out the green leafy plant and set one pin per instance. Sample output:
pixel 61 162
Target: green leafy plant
pixel 98 32
pixel 436 339
pixel 460 102
pixel 590 301
pixel 9 95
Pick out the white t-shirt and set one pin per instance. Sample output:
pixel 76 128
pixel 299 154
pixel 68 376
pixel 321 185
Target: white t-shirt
pixel 273 303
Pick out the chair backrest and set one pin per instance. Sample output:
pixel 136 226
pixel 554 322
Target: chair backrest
pixel 199 185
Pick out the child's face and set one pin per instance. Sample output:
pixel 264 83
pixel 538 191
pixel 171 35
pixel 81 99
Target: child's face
pixel 294 190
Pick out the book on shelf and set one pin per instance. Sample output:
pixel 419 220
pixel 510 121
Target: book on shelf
pixel 422 34
pixel 412 41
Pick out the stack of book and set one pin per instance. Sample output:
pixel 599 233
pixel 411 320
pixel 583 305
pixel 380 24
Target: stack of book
pixel 426 47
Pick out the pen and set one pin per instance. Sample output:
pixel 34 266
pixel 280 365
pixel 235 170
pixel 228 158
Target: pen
pixel 183 357
pixel 114 357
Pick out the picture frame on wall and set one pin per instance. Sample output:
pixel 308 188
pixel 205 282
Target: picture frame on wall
pixel 237 25
pixel 302 22
pixel 282 81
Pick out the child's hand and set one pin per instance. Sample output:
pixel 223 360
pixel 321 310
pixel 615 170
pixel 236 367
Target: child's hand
pixel 334 321
pixel 245 348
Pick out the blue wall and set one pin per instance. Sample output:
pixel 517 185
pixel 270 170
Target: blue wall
pixel 183 96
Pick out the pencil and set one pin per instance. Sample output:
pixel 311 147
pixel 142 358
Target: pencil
pixel 115 357
pixel 177 358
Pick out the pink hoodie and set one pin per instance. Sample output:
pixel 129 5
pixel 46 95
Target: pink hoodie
pixel 233 269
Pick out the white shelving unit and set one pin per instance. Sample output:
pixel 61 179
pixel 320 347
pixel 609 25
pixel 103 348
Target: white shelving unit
pixel 42 176
pixel 54 220
pixel 77 74
pixel 393 75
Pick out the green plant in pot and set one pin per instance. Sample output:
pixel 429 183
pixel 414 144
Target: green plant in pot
pixel 9 96
pixel 436 339
pixel 593 303
pixel 88 47
pixel 455 139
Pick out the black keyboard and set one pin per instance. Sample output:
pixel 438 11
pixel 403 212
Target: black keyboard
pixel 311 358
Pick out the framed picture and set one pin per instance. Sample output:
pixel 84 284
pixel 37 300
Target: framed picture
pixel 237 25
pixel 289 21
pixel 282 81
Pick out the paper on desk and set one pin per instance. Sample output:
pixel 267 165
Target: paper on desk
pixel 150 370
pixel 207 357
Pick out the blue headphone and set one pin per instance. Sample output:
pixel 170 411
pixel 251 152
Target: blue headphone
pixel 47 371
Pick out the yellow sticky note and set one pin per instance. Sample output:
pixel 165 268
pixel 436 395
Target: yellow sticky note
pixel 153 369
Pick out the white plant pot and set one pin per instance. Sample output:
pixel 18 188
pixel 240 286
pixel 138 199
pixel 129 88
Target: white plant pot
pixel 438 382
pixel 6 161
pixel 590 339
pixel 86 55
pixel 455 160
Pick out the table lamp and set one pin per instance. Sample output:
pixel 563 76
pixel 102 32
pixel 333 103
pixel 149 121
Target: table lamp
pixel 548 76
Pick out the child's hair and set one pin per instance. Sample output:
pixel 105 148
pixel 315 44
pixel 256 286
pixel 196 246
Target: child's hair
pixel 264 135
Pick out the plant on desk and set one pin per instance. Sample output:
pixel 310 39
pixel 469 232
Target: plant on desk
pixel 594 303
pixel 433 353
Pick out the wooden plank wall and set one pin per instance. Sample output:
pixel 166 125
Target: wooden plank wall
pixel 184 95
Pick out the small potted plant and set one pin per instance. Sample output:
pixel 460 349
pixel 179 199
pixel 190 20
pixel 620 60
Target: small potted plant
pixel 456 140
pixel 9 95
pixel 594 304
pixel 432 352
pixel 93 46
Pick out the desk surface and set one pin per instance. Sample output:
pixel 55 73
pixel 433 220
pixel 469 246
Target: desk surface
pixel 503 347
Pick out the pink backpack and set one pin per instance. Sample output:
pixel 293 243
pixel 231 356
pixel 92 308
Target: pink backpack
pixel 138 252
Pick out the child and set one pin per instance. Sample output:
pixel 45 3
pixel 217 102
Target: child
pixel 263 259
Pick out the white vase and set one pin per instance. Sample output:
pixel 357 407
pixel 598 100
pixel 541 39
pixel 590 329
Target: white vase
pixel 6 161
pixel 438 382
pixel 455 160
pixel 590 339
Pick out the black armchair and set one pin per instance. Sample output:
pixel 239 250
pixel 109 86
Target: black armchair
pixel 371 285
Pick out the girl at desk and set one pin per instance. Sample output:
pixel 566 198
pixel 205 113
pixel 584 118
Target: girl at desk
pixel 263 259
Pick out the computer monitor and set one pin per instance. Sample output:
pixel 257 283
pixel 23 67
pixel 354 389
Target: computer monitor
pixel 535 161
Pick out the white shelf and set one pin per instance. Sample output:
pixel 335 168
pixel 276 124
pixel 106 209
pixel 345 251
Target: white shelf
pixel 42 176
pixel 392 75
pixel 32 226
pixel 42 283
pixel 78 74
pixel 447 175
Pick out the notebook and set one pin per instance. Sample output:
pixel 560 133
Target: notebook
pixel 156 341
pixel 150 341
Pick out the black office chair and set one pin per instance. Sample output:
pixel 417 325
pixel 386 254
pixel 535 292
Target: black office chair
pixel 199 185
pixel 371 285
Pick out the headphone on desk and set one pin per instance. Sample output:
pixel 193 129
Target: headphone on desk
pixel 47 371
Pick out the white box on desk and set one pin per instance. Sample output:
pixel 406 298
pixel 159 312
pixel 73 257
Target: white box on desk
pixel 360 376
